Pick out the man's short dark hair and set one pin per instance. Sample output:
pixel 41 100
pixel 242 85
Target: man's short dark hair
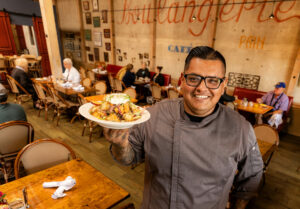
pixel 205 53
pixel 3 95
pixel 159 68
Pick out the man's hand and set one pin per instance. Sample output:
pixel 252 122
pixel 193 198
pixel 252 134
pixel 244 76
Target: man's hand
pixel 121 149
pixel 118 137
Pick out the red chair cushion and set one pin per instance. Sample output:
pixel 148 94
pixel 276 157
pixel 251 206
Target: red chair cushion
pixel 113 69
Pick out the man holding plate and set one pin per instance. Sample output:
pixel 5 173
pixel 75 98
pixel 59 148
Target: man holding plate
pixel 194 148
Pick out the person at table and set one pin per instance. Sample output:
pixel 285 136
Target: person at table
pixel 158 77
pixel 193 146
pixel 20 74
pixel 279 101
pixel 10 111
pixel 71 74
pixel 143 72
pixel 129 77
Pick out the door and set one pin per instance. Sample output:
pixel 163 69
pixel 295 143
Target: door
pixel 42 46
pixel 21 38
pixel 7 43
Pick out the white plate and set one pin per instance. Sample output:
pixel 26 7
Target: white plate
pixel 84 110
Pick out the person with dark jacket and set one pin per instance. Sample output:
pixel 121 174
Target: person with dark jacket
pixel 143 72
pixel 129 76
pixel 20 74
pixel 10 111
pixel 158 77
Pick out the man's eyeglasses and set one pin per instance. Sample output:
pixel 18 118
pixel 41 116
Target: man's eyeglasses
pixel 210 81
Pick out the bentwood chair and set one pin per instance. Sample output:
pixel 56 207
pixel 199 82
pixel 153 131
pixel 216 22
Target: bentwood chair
pixel 14 135
pixel 82 73
pixel 42 154
pixel 156 92
pixel 45 101
pixel 91 75
pixel 87 82
pixel 15 86
pixel 119 85
pixel 100 87
pixel 130 92
pixel 268 134
pixel 172 93
pixel 111 82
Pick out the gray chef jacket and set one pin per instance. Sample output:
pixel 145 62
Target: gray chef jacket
pixel 193 165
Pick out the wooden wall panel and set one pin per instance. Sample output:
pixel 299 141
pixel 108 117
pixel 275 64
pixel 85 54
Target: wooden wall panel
pixel 7 44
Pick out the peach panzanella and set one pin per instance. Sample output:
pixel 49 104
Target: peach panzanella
pixel 117 108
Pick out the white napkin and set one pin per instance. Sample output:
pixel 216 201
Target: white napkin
pixel 67 184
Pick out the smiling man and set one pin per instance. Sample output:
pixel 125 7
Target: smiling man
pixel 193 146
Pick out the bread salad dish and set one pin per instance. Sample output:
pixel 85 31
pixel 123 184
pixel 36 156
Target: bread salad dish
pixel 116 108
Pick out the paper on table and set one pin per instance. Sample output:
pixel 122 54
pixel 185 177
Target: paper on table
pixel 67 184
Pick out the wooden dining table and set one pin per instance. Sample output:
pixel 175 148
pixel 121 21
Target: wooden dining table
pixel 92 189
pixel 43 80
pixel 256 108
pixel 70 91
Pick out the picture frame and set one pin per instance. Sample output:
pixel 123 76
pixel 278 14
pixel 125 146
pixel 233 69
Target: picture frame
pixel 97 38
pixel 88 35
pixel 106 56
pixel 85 5
pixel 96 53
pixel 87 48
pixel 120 58
pixel 107 46
pixel 95 5
pixel 91 57
pixel 106 33
pixel 88 18
pixel 96 22
pixel 104 16
pixel 146 55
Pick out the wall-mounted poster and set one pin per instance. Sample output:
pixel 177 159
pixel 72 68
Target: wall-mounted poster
pixel 96 22
pixel 120 58
pixel 95 5
pixel 106 33
pixel 146 55
pixel 86 5
pixel 91 57
pixel 88 35
pixel 98 38
pixel 96 52
pixel 88 18
pixel 104 16
pixel 87 48
pixel 107 46
pixel 106 59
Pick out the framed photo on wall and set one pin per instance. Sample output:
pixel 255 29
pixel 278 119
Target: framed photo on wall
pixel 104 16
pixel 97 38
pixel 88 35
pixel 95 5
pixel 107 46
pixel 86 5
pixel 91 57
pixel 106 57
pixel 96 22
pixel 106 33
pixel 88 18
pixel 97 56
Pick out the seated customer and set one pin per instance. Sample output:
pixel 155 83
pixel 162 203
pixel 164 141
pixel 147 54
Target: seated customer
pixel 279 101
pixel 158 77
pixel 71 74
pixel 143 72
pixel 20 74
pixel 10 111
pixel 129 76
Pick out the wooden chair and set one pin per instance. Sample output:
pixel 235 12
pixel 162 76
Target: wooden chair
pixel 3 65
pixel 172 93
pixel 100 87
pixel 44 100
pixel 91 75
pixel 268 134
pixel 87 82
pixel 87 123
pixel 156 92
pixel 15 86
pixel 60 103
pixel 130 92
pixel 14 135
pixel 42 154
pixel 37 67
pixel 119 85
pixel 82 72
pixel 111 82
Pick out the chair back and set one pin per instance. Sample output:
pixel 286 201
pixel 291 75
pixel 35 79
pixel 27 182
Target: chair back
pixel 119 85
pixel 156 91
pixel 87 82
pixel 39 90
pixel 91 75
pixel 3 63
pixel 15 84
pixel 14 135
pixel 82 73
pixel 100 87
pixel 81 99
pixel 57 99
pixel 266 133
pixel 111 82
pixel 42 154
pixel 130 92
pixel 172 93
